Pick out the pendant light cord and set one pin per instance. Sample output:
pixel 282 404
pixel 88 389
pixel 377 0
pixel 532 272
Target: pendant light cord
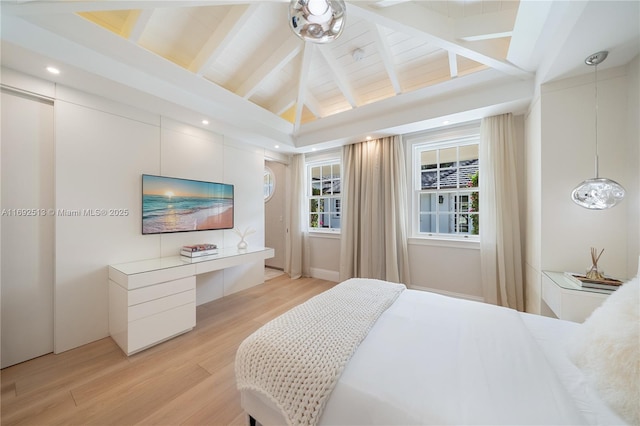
pixel 596 85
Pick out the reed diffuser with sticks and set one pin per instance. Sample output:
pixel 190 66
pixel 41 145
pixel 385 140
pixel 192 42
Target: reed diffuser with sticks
pixel 595 273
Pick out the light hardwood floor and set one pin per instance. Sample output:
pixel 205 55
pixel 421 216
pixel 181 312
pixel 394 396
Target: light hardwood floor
pixel 187 380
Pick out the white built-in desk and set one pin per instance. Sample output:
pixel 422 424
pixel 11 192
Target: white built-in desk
pixel 153 300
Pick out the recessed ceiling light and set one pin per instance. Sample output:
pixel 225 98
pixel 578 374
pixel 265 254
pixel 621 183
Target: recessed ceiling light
pixel 446 122
pixel 205 122
pixel 357 54
pixel 277 146
pixel 53 70
pixel 369 138
pixel 313 149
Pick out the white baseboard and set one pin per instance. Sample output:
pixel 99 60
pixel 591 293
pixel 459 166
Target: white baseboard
pixel 325 274
pixel 449 293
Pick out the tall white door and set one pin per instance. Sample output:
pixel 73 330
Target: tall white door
pixel 275 215
pixel 27 227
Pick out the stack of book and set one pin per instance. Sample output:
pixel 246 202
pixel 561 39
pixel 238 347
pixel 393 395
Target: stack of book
pixel 584 282
pixel 199 250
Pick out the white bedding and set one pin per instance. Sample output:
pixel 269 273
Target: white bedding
pixel 554 336
pixel 431 359
pixel 297 358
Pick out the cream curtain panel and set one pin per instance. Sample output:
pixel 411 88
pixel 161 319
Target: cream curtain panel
pixel 297 245
pixel 374 200
pixel 500 252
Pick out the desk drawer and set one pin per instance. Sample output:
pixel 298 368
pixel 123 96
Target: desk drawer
pixel 156 306
pixel 162 326
pixel 144 279
pixel 146 294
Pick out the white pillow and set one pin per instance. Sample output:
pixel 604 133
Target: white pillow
pixel 607 349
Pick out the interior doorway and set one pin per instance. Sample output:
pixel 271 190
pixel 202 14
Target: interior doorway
pixel 275 184
pixel 27 240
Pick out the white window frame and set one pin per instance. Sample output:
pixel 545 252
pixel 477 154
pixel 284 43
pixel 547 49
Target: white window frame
pixel 269 183
pixel 468 134
pixel 331 161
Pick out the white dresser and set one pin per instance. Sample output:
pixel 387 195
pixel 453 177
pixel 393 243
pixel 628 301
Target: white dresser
pixel 153 300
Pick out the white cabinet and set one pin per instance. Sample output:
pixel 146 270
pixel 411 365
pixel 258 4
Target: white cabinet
pixel 149 307
pixel 153 300
pixel 568 300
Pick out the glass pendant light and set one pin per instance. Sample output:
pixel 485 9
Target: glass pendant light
pixel 319 21
pixel 597 193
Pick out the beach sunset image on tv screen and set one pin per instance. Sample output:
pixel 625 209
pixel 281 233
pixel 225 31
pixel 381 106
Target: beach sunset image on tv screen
pixel 181 205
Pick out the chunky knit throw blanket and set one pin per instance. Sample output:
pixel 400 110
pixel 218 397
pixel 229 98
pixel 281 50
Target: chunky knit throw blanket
pixel 296 359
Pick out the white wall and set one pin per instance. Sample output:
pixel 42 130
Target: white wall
pixel 633 167
pixel 244 168
pixel 533 204
pixel 99 157
pixel 447 268
pixel 434 266
pixel 324 255
pixel 101 150
pixel 568 150
pixel 560 129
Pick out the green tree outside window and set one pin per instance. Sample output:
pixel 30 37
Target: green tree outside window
pixel 475 204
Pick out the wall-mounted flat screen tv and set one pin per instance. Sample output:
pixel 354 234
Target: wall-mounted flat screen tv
pixel 181 205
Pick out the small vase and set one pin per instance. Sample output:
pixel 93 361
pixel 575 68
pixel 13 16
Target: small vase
pixel 242 245
pixel 593 273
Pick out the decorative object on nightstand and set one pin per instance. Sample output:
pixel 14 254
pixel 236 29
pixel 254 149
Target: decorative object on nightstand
pixel 595 277
pixel 199 250
pixel 606 283
pixel 242 245
pixel 593 273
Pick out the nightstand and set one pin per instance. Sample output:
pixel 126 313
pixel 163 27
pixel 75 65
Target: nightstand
pixel 568 300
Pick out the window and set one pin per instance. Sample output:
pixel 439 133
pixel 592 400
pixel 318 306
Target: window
pixel 324 191
pixel 446 194
pixel 269 184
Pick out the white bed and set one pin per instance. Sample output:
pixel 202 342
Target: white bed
pixel 432 359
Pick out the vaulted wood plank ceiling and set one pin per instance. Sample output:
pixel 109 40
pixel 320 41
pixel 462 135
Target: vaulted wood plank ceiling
pixel 399 66
pixel 249 50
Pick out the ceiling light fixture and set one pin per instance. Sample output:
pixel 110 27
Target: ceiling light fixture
pixel 319 21
pixel 53 70
pixel 205 122
pixel 357 54
pixel 597 193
